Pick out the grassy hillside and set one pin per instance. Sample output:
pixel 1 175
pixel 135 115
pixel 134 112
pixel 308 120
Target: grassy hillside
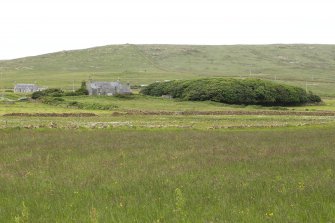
pixel 143 64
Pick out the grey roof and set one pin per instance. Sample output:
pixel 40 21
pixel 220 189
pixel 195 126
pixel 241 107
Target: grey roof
pixel 25 85
pixel 105 85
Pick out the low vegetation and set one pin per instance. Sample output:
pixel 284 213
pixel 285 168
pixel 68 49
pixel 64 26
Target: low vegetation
pixel 52 92
pixel 57 92
pixel 61 102
pixel 233 91
pixel 277 175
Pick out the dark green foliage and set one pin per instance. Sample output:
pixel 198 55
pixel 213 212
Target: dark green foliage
pixel 82 90
pixel 56 92
pixel 232 91
pixel 313 98
pixel 37 95
pixel 52 92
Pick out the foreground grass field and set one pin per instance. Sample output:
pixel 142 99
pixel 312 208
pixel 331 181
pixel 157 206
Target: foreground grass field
pixel 277 175
pixel 150 159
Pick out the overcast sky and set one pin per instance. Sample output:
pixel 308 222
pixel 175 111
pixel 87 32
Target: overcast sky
pixel 40 26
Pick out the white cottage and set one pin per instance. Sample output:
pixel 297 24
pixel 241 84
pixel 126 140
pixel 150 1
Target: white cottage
pixel 107 88
pixel 25 88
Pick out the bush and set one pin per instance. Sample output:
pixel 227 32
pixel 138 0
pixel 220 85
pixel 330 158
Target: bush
pixel 313 98
pixel 52 92
pixel 232 91
pixel 56 92
pixel 82 90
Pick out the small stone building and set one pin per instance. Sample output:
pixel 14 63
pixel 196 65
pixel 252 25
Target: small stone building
pixel 26 88
pixel 107 88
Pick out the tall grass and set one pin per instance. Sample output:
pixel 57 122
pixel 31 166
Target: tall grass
pixel 167 176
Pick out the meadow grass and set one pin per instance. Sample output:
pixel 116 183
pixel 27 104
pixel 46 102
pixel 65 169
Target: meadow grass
pixel 165 168
pixel 282 175
pixel 200 122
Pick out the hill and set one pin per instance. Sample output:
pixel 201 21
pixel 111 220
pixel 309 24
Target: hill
pixel 310 66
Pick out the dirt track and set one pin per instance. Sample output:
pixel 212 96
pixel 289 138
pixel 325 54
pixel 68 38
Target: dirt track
pixel 294 113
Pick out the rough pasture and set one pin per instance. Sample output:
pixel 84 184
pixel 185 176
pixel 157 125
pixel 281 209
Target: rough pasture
pixel 284 175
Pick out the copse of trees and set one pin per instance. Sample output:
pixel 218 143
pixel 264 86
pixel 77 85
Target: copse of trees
pixel 233 91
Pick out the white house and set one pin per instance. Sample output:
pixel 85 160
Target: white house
pixel 26 88
pixel 107 88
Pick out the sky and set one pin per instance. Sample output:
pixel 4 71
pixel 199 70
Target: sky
pixel 42 26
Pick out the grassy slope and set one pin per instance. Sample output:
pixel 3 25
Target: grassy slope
pixel 142 64
pixel 117 176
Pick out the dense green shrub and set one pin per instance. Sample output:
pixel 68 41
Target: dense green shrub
pixel 313 98
pixel 82 90
pixel 232 91
pixel 52 92
pixel 56 92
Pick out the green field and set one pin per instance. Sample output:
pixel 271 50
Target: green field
pixel 141 159
pixel 143 64
pixel 146 161
pixel 283 175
